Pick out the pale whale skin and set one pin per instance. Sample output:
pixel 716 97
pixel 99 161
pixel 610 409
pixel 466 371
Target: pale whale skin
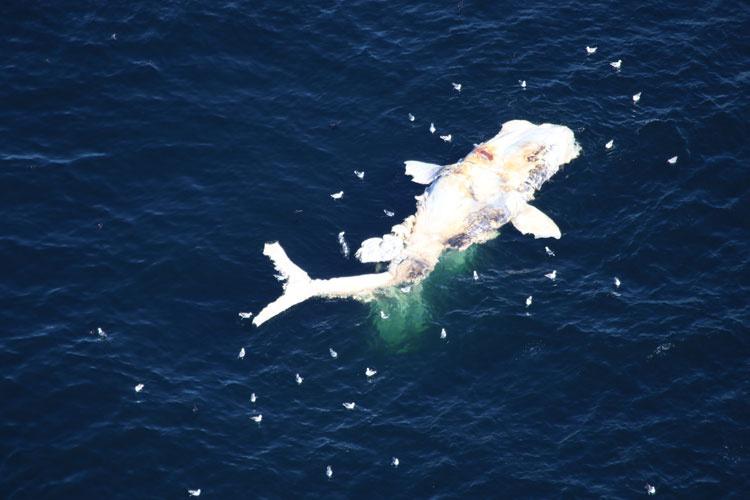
pixel 464 203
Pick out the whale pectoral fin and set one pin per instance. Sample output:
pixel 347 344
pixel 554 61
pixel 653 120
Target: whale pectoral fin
pixel 421 172
pixel 531 220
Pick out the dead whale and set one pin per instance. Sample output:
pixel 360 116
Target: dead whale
pixel 464 204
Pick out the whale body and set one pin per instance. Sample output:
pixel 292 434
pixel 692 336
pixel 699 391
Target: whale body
pixel 464 204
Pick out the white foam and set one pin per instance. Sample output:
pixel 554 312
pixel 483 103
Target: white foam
pixel 344 246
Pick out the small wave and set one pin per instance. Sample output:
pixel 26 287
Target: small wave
pixel 52 159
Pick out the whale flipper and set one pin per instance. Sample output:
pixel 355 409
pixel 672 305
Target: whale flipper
pixel 421 172
pixel 531 220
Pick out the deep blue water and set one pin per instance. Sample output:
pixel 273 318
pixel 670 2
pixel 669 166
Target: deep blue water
pixel 149 149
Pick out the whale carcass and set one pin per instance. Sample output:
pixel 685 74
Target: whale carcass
pixel 465 203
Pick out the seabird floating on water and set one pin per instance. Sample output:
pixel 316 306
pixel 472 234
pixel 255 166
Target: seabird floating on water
pixel 349 406
pixel 253 398
pixel 610 144
pixel 446 138
pixel 617 282
pixel 139 387
pixel 522 83
pixel 636 97
pixel 298 379
pixel 616 64
pixel 443 333
pixel 337 196
pixel 432 128
pixel 246 315
pixel 383 315
pixel 394 462
pixel 475 275
pixel 549 251
pixel 194 493
pixel 590 50
pixel 359 173
pixel 388 213
pixel 672 160
pixel 529 300
pixel 457 86
pixel 650 489
pixel 411 117
pixel 257 418
pixel 370 372
pixel 333 353
pixel 552 275
pixel 241 355
pixel 329 472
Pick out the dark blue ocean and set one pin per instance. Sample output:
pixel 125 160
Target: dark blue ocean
pixel 148 150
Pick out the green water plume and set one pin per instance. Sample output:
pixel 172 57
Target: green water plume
pixel 407 312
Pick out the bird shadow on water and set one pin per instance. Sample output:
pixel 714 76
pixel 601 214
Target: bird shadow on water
pixel 402 316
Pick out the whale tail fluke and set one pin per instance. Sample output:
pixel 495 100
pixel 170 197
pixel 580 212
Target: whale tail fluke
pixel 298 286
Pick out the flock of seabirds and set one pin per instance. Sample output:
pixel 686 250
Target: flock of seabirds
pixel 371 372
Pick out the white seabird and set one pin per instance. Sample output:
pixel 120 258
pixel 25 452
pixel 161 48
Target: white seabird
pixel 246 315
pixel 432 128
pixel 329 472
pixel 475 275
pixel 370 372
pixel 522 83
pixel 349 406
pixel 610 144
pixel 616 64
pixel 443 333
pixel 650 489
pixel 394 462
pixel 388 213
pixel 333 353
pixel 529 300
pixel 194 493
pixel 298 379
pixel 253 398
pixel 138 387
pixel 446 138
pixel 103 334
pixel 383 315
pixel 617 282
pixel 552 275
pixel 457 86
pixel 241 355
pixel 590 50
pixel 257 418
pixel 411 117
pixel 636 97
pixel 337 196
pixel 359 173
pixel 672 160
pixel 549 251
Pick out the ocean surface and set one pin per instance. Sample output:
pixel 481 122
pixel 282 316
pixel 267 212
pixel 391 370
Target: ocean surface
pixel 148 150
